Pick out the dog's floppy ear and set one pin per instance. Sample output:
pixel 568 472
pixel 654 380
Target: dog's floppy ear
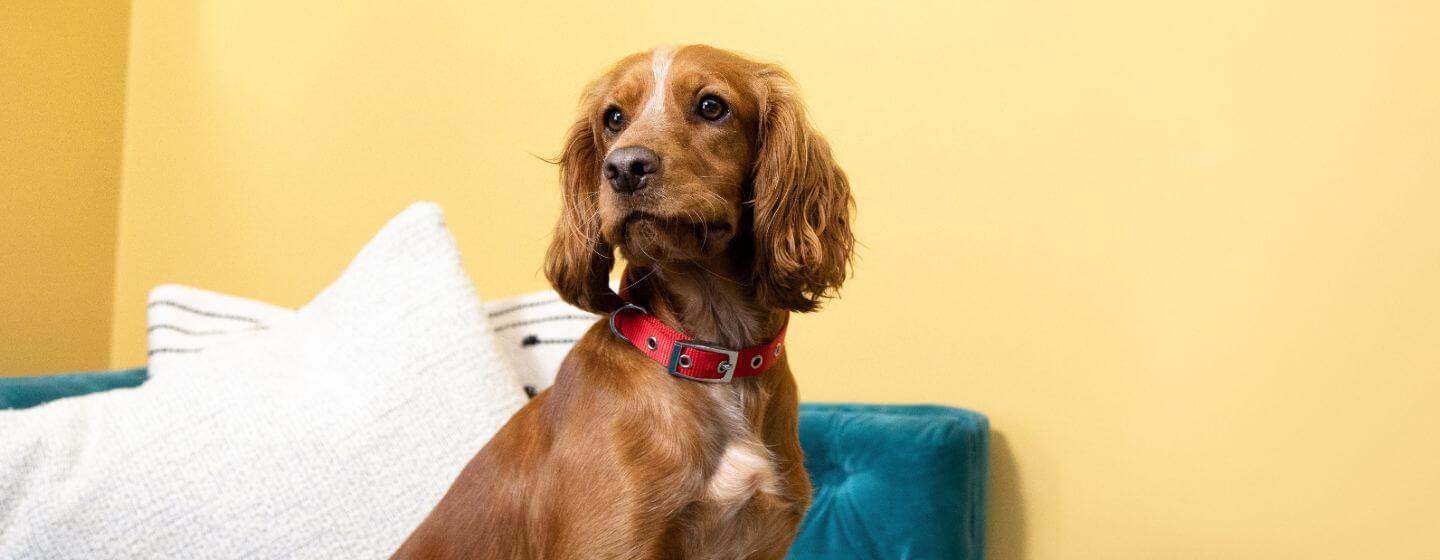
pixel 579 261
pixel 802 205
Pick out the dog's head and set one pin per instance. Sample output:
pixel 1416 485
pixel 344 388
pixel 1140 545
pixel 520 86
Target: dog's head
pixel 686 155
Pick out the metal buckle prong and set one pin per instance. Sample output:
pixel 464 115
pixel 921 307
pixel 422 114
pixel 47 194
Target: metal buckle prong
pixel 732 357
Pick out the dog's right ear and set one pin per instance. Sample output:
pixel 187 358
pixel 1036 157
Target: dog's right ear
pixel 579 261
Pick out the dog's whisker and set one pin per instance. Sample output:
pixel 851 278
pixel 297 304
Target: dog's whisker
pixel 704 227
pixel 652 271
pixel 647 254
pixel 579 232
pixel 721 276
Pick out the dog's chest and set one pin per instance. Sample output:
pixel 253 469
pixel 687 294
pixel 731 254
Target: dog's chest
pixel 744 470
pixel 745 502
pixel 745 467
pixel 740 510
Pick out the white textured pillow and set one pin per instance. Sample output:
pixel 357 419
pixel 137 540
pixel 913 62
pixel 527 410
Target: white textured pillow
pixel 329 435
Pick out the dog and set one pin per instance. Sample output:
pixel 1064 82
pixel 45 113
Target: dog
pixel 700 168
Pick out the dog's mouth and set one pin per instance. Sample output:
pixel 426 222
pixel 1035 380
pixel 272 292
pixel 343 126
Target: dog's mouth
pixel 676 225
pixel 657 237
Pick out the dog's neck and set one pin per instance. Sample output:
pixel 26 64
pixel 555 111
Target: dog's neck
pixel 707 301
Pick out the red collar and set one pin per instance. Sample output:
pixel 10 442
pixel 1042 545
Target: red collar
pixel 686 357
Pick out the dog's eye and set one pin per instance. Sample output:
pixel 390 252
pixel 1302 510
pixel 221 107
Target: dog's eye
pixel 614 120
pixel 711 108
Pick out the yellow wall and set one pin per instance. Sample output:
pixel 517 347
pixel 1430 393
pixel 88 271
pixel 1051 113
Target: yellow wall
pixel 62 98
pixel 1186 255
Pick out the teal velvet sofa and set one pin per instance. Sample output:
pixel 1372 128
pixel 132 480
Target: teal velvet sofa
pixel 890 481
pixel 25 392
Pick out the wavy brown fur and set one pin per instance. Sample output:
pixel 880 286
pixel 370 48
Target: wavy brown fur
pixel 747 219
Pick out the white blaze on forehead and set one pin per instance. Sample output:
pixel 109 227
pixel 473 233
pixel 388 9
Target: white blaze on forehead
pixel 659 65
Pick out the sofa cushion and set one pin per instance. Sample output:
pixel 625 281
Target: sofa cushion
pixel 894 482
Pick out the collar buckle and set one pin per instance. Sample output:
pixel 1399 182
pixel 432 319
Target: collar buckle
pixel 678 360
pixel 616 313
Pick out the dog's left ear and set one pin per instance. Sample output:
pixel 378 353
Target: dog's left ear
pixel 579 261
pixel 803 207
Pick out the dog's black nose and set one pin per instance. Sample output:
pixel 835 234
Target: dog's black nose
pixel 628 168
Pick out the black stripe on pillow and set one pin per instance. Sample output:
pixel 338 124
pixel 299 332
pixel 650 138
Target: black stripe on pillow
pixel 200 333
pixel 203 312
pixel 154 351
pixel 545 320
pixel 533 340
pixel 520 306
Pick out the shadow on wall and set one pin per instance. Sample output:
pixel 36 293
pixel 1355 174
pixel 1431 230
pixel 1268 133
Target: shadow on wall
pixel 1005 531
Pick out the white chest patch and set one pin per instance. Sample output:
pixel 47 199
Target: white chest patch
pixel 660 67
pixel 744 469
